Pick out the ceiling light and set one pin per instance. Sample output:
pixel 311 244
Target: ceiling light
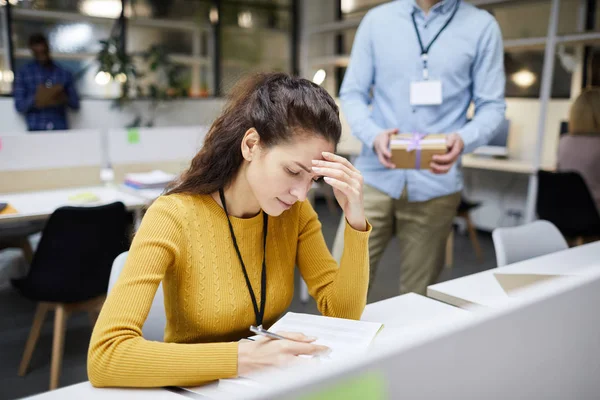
pixel 213 15
pixel 102 78
pixel 523 78
pixel 348 6
pixel 101 8
pixel 121 78
pixel 245 20
pixel 9 76
pixel 319 77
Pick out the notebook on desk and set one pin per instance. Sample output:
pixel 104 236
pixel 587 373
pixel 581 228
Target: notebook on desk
pixel 342 336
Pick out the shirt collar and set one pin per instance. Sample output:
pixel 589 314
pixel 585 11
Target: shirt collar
pixel 50 66
pixel 444 6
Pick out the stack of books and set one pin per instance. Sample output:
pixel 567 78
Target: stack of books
pixel 149 180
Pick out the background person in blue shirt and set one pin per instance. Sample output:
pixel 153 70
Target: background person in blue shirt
pixel 43 90
pixel 425 62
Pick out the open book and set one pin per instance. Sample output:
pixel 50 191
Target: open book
pixel 342 336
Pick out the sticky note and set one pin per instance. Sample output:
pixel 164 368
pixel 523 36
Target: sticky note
pixel 371 385
pixel 133 135
pixel 84 197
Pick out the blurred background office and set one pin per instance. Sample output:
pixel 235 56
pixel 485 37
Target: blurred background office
pixel 151 75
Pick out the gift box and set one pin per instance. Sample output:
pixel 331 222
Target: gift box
pixel 416 151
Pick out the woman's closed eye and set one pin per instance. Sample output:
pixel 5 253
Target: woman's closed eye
pixel 297 173
pixel 293 173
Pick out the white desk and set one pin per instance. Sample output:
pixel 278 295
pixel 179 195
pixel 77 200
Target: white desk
pixel 40 205
pixel 483 290
pixel 494 164
pixel 86 391
pixel 409 314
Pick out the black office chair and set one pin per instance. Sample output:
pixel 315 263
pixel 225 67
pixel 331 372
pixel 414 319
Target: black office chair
pixel 71 269
pixel 565 200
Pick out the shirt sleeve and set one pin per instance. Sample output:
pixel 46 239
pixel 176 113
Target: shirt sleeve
pixel 488 89
pixel 340 291
pixel 71 91
pixel 23 93
pixel 118 354
pixel 355 90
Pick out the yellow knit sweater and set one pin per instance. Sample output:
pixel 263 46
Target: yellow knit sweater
pixel 184 241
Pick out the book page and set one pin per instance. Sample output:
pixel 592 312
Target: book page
pixel 342 336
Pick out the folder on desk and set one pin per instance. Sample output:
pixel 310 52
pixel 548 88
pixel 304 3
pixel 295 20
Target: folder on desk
pixel 513 282
pixel 8 209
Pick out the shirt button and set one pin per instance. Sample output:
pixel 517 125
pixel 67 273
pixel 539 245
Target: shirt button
pixel 50 126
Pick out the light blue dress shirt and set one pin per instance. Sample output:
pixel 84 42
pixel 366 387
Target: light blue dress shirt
pixel 468 58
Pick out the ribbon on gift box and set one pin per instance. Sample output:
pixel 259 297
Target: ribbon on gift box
pixel 415 144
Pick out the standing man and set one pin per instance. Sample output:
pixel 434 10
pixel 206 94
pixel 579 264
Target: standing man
pixel 425 62
pixel 43 90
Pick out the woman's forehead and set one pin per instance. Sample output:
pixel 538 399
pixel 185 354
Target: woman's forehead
pixel 303 148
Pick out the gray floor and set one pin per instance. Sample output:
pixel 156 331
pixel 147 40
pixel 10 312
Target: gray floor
pixel 16 314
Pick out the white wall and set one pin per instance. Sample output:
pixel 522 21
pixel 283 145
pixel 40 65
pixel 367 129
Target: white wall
pixel 98 114
pixel 523 115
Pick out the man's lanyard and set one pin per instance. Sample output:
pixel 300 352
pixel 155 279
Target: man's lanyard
pixel 259 313
pixel 425 50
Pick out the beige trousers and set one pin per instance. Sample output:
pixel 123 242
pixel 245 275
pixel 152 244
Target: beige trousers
pixel 422 229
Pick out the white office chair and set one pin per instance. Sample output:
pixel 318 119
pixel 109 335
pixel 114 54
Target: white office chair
pixel 154 327
pixel 527 241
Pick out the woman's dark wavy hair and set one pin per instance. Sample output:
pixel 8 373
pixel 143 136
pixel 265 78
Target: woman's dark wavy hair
pixel 279 106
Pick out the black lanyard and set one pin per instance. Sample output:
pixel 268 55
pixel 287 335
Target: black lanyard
pixel 263 278
pixel 425 50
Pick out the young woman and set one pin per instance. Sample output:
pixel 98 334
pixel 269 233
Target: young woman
pixel 225 239
pixel 580 150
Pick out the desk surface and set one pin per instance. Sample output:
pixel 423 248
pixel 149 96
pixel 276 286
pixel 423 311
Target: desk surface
pixel 495 164
pixel 474 161
pixel 40 205
pixel 86 391
pixel 483 290
pixel 409 314
pixel 402 316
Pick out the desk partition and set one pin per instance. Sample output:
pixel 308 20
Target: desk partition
pixel 141 150
pixel 547 347
pixel 49 160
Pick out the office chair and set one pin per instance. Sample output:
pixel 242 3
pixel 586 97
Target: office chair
pixel 16 236
pixel 154 327
pixel 70 271
pixel 565 200
pixel 527 241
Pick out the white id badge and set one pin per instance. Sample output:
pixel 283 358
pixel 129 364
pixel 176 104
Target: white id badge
pixel 426 93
